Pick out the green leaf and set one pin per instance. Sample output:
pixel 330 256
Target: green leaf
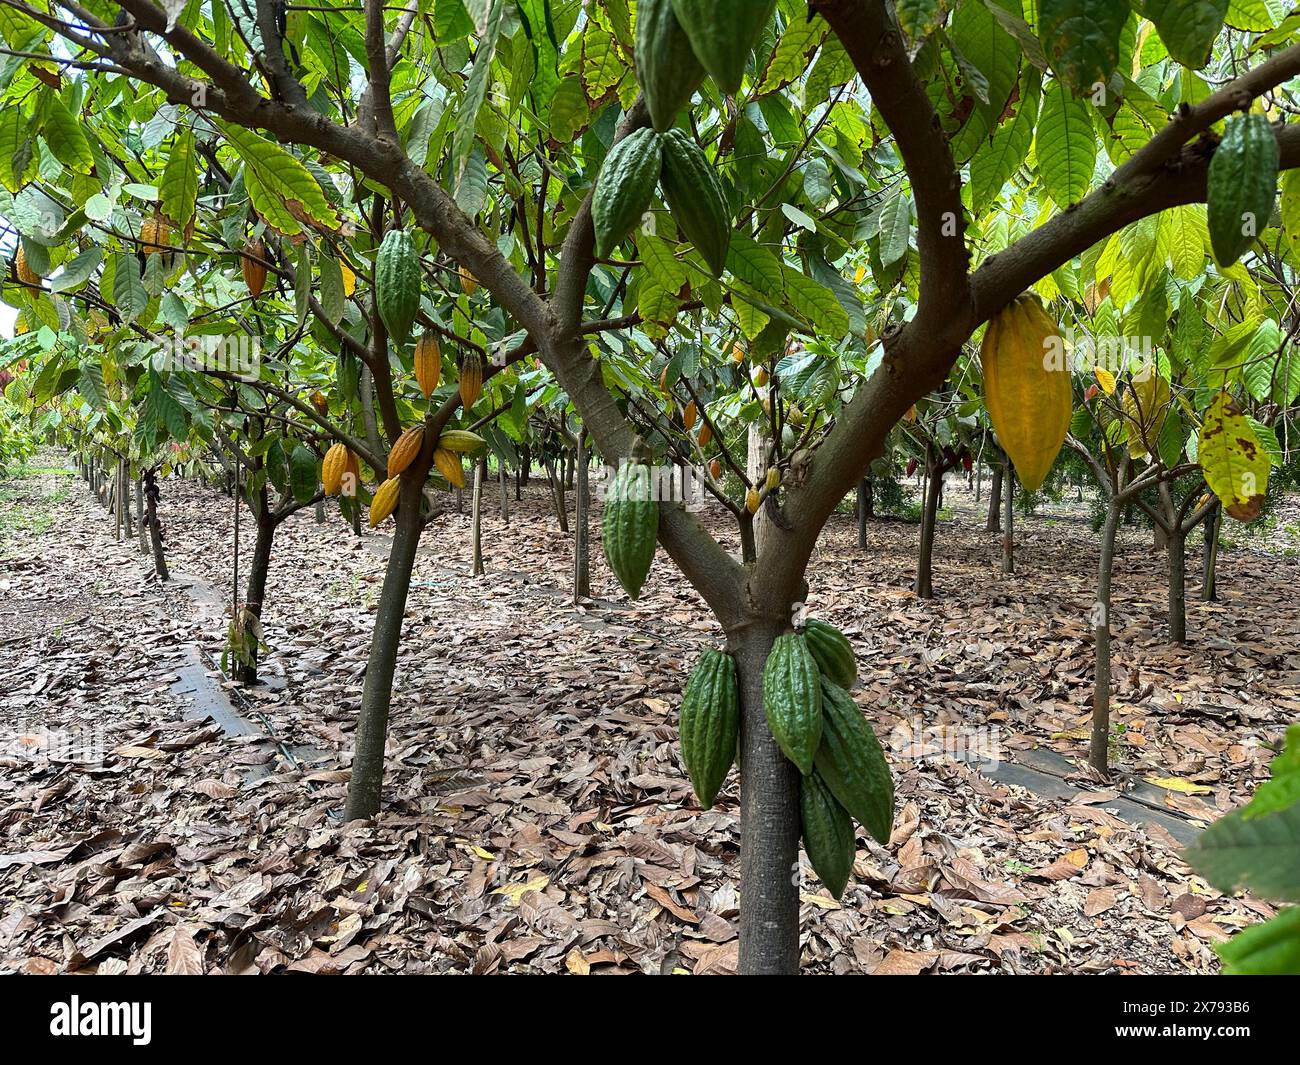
pixel 462 139
pixel 920 18
pixel 1082 38
pixel 275 179
pixel 78 271
pixel 1268 949
pixel 1242 185
pixel 303 474
pixel 997 159
pixel 179 186
pixel 91 385
pixel 332 299
pixel 1187 27
pixel 895 228
pixel 64 135
pixel 1066 145
pixel 1291 208
pixel 540 30
pixel 129 295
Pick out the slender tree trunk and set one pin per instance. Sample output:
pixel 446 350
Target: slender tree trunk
pixel 1210 557
pixel 994 522
pixel 255 594
pixel 476 512
pixel 556 481
pixel 142 526
pixel 366 785
pixel 582 538
pixel 1159 538
pixel 864 504
pixel 979 481
pixel 1099 748
pixel 155 529
pixel 1177 549
pixel 1008 521
pixel 923 585
pixel 504 478
pixel 320 512
pixel 366 389
pixel 769 823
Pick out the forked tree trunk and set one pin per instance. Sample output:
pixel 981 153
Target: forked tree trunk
pixel 1177 549
pixel 1099 747
pixel 367 782
pixel 769 822
pixel 923 585
pixel 255 593
pixel 1008 522
pixel 476 518
pixel 994 522
pixel 556 482
pixel 582 538
pixel 155 529
pixel 1210 556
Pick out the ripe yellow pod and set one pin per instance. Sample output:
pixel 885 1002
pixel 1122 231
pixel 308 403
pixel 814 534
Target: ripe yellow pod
pixel 468 282
pixel 333 469
pixel 471 381
pixel 773 479
pixel 155 234
pixel 1027 387
pixel 405 451
pixel 752 500
pixel 23 269
pixel 449 466
pixel 760 376
pixel 428 363
pixel 385 501
pixel 706 434
pixel 737 353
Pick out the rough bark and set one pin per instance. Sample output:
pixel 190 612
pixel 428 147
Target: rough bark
pixel 366 785
pixel 255 591
pixel 994 522
pixel 1210 556
pixel 155 528
pixel 923 586
pixel 1008 521
pixel 476 519
pixel 1177 551
pixel 1099 747
pixel 864 510
pixel 582 538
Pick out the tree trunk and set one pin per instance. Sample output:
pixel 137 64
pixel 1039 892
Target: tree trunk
pixel 320 512
pixel 864 508
pixel 1008 521
pixel 255 594
pixel 1177 548
pixel 556 482
pixel 155 529
pixel 1210 557
pixel 769 823
pixel 923 586
pixel 366 388
pixel 994 522
pixel 372 724
pixel 476 518
pixel 582 538
pixel 504 478
pixel 142 526
pixel 1099 748
pixel 1159 538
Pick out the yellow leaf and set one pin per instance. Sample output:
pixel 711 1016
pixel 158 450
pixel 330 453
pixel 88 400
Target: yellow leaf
pixel 486 855
pixel 349 279
pixel 576 963
pixel 514 892
pixel 819 900
pixel 1077 858
pixel 1178 784
pixel 1106 379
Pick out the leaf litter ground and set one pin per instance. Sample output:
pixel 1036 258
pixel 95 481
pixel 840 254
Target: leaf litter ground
pixel 537 816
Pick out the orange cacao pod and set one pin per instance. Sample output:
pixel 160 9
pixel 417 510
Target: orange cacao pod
pixel 405 451
pixel 385 500
pixel 428 363
pixel 333 469
pixel 254 269
pixel 471 381
pixel 25 273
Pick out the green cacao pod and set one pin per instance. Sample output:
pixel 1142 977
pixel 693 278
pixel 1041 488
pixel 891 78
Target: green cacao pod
pixel 665 62
pixel 1242 186
pixel 852 764
pixel 695 197
pixel 723 34
pixel 832 652
pixel 623 189
pixel 709 723
pixel 828 834
pixel 792 699
pixel 629 526
pixel 397 283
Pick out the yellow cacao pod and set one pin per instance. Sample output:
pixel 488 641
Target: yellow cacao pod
pixel 689 415
pixel 706 434
pixel 321 404
pixel 428 363
pixel 155 234
pixel 468 282
pixel 333 469
pixel 351 475
pixel 385 500
pixel 773 479
pixel 471 381
pixel 760 376
pixel 737 353
pixel 1027 387
pixel 449 466
pixel 254 267
pixel 25 273
pixel 405 451
pixel 460 441
pixel 752 499
pixel 796 417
